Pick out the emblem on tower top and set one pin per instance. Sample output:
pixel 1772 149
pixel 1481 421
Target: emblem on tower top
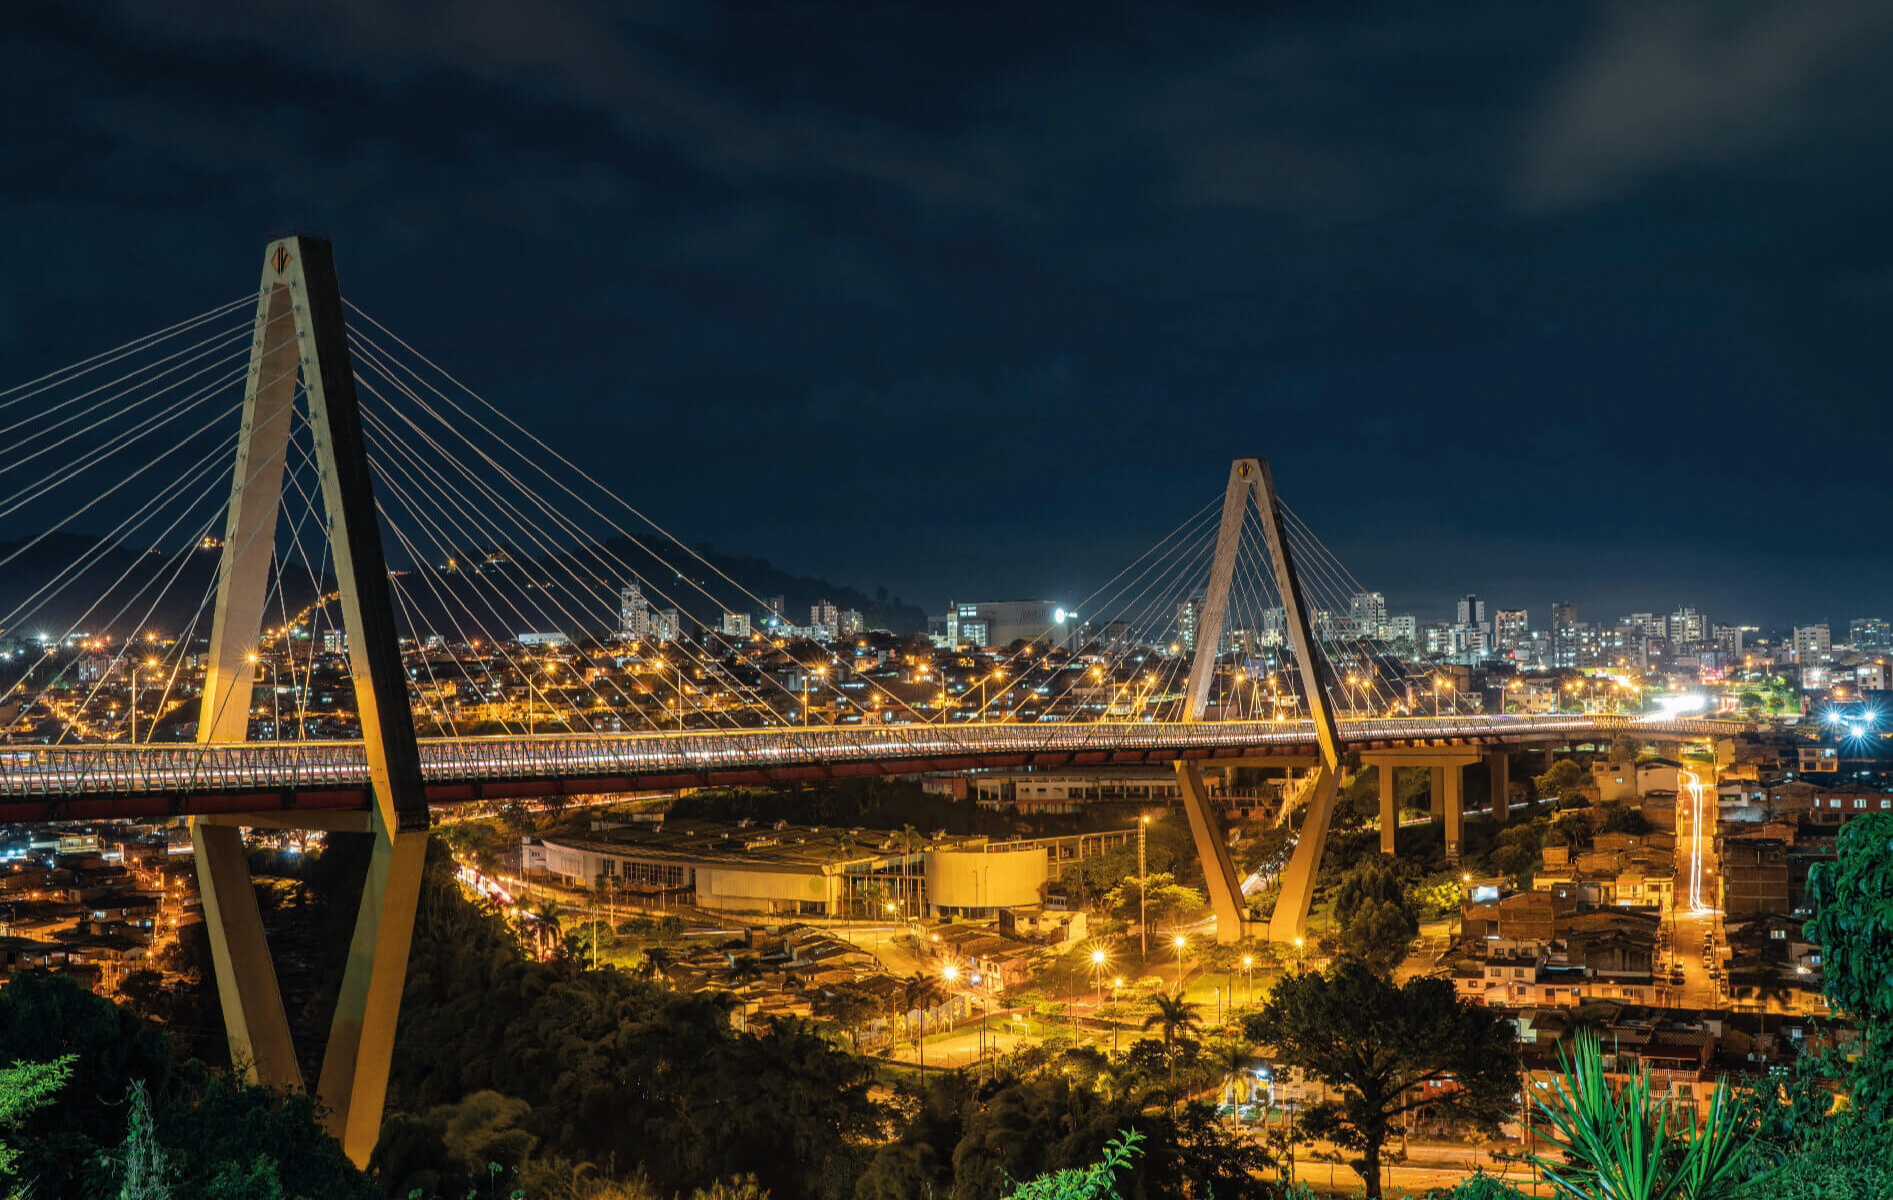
pixel 281 259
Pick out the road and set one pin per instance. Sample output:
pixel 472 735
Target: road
pixel 1698 879
pixel 1400 1179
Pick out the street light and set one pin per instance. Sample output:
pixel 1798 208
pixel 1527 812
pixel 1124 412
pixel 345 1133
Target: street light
pixel 1143 920
pixel 532 710
pixel 149 662
pixel 1098 959
pixel 1181 943
pixel 1248 978
pixel 276 711
pixel 818 673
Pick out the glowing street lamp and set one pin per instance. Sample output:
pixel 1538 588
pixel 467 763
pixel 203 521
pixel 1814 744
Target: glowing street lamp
pixel 1181 943
pixel 276 712
pixel 148 663
pixel 1099 958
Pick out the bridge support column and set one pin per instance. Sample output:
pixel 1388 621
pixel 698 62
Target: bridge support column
pixel 1499 764
pixel 1290 919
pixel 1219 870
pixel 1389 808
pixel 253 1014
pixel 354 1083
pixel 1454 778
pixel 1436 793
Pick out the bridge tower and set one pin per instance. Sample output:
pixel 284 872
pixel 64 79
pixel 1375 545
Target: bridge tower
pixel 299 335
pixel 1251 480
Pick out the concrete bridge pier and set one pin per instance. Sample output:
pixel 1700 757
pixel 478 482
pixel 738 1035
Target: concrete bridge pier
pixel 1389 808
pixel 1447 791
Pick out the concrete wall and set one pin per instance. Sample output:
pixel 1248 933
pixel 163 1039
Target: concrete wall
pixel 960 879
pixel 739 889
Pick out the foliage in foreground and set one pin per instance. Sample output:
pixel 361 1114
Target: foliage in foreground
pixel 1628 1144
pixel 1095 1182
pixel 194 1130
pixel 1853 921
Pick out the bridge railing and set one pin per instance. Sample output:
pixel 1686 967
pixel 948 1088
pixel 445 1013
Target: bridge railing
pixel 149 769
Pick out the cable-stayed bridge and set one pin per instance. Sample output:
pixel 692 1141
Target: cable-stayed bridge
pixel 338 586
pixel 92 782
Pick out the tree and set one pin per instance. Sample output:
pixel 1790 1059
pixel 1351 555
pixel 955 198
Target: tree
pixel 25 1088
pixel 1853 914
pixel 1621 818
pixel 1178 1019
pixel 208 1124
pixel 1572 829
pixel 847 1006
pixel 1520 853
pixel 657 963
pixel 920 992
pixel 1389 1050
pixel 1377 921
pixel 1565 780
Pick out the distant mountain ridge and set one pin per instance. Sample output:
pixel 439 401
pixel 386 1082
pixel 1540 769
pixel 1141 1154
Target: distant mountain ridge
pixel 124 582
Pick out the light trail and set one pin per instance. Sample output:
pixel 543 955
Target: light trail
pixel 1694 783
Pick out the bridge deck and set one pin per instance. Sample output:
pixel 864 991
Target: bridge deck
pixel 94 781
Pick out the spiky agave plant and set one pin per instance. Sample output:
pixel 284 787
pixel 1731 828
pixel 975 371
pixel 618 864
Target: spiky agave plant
pixel 1623 1144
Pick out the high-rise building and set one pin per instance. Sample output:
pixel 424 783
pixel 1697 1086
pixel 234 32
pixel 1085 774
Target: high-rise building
pixel 735 625
pixel 1689 627
pixel 1274 626
pixel 1188 614
pixel 666 625
pixel 1402 628
pixel 1471 610
pixel 1511 627
pixel 853 624
pixel 1368 611
pixel 1812 643
pixel 824 620
pixel 1648 624
pixel 1000 623
pixel 634 614
pixel 1731 640
pixel 1564 634
pixel 1870 633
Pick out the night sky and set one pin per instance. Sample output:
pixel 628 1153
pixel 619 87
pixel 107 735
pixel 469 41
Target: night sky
pixel 1538 301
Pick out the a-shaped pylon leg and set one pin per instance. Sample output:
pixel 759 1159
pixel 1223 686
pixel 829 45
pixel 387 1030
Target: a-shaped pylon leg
pixel 1219 869
pixel 1290 920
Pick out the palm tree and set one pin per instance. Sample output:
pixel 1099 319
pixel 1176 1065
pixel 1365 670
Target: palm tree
pixel 909 840
pixel 743 972
pixel 919 992
pixel 1177 1018
pixel 657 963
pixel 545 918
pixel 1228 1059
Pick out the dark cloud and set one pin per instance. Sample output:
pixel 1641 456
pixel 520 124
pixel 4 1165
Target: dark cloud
pixel 1662 87
pixel 1539 301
